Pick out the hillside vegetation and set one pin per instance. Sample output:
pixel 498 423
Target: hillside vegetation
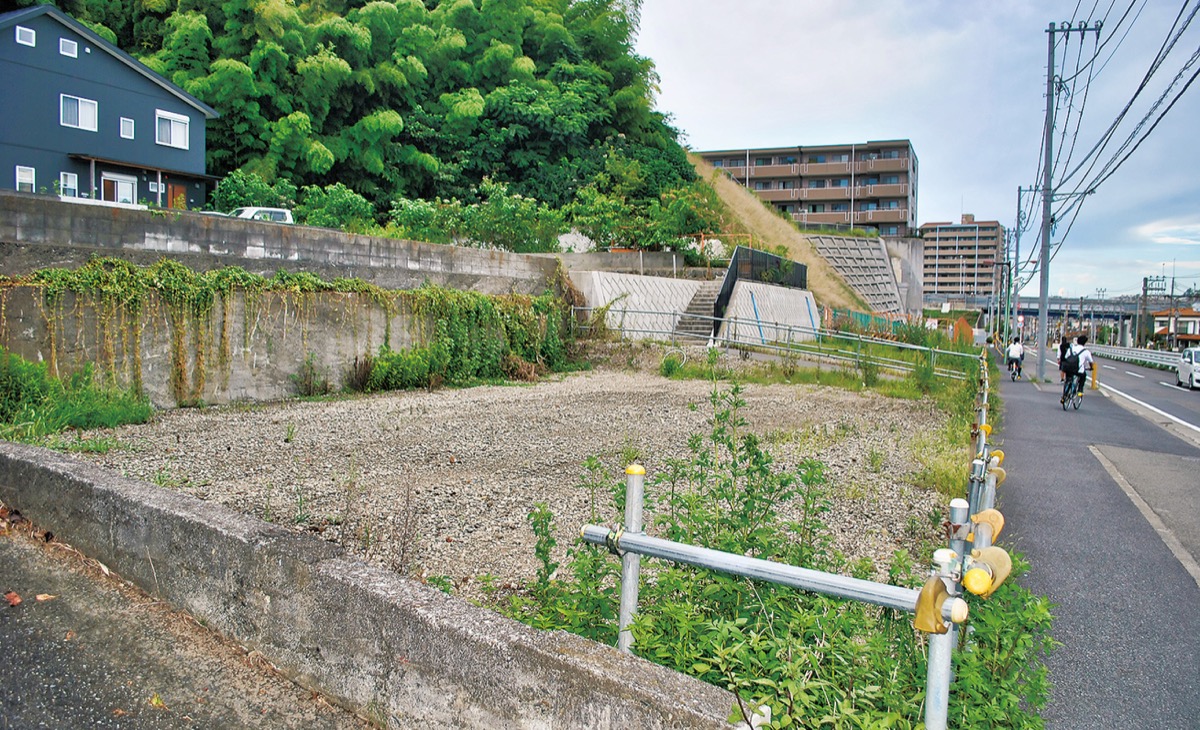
pixel 771 232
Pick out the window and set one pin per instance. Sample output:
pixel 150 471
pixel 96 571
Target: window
pixel 816 158
pixel 840 158
pixel 891 179
pixel 868 181
pixel 787 160
pixel 68 47
pixel 787 184
pixel 891 204
pixel 126 128
pixel 118 188
pixel 718 163
pixel 737 162
pixel 816 183
pixel 762 184
pixel 816 208
pixel 759 161
pixel 172 129
pixel 839 207
pixel 26 36
pixel 891 154
pixel 68 184
pixel 25 179
pixel 153 186
pixel 840 182
pixel 891 230
pixel 872 205
pixel 78 113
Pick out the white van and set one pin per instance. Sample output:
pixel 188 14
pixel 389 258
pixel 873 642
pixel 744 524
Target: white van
pixel 1188 368
pixel 277 215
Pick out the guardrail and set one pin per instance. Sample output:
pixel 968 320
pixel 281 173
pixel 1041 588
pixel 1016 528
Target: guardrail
pixel 1151 358
pixel 937 607
pixel 780 338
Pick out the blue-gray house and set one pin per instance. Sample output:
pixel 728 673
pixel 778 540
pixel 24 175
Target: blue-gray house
pixel 80 117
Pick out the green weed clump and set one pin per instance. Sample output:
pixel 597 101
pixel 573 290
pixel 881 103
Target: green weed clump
pixel 34 404
pixel 816 661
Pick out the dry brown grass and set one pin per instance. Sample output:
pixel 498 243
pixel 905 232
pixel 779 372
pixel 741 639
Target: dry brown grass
pixel 769 231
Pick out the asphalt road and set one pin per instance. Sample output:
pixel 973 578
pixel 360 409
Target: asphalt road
pixel 99 654
pixel 1103 501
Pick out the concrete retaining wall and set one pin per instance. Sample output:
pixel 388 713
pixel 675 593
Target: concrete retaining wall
pixel 249 352
pixel 670 297
pixel 755 308
pixel 39 231
pixel 379 644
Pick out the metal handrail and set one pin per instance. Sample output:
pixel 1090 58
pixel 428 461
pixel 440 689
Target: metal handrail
pixel 1153 358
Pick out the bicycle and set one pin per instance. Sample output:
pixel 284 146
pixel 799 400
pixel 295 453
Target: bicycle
pixel 1072 393
pixel 1014 370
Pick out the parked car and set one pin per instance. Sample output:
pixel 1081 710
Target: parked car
pixel 1188 368
pixel 277 215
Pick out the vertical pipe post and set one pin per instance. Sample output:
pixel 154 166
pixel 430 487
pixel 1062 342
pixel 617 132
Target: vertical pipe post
pixel 975 488
pixel 941 646
pixel 635 485
pixel 987 498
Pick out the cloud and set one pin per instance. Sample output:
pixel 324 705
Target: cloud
pixel 1174 232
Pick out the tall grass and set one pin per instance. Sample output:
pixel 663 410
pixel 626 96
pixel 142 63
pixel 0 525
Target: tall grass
pixel 35 404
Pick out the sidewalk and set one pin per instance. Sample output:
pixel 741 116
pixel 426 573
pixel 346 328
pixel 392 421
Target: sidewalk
pixel 101 655
pixel 1126 611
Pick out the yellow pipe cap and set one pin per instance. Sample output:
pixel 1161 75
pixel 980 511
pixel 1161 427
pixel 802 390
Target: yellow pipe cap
pixel 635 469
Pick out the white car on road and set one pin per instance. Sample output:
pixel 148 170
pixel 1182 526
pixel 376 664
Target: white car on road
pixel 1187 372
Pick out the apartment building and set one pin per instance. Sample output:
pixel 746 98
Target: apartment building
pixel 871 185
pixel 963 259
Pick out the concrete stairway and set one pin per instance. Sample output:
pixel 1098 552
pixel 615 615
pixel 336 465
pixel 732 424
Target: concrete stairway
pixel 695 323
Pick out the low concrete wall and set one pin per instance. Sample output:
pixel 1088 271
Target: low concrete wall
pixel 39 231
pixel 668 297
pixel 755 309
pixel 377 643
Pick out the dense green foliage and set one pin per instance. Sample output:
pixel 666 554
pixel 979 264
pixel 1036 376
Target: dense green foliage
pixel 417 100
pixel 33 404
pixel 816 661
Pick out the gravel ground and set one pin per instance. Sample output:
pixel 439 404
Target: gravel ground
pixel 439 484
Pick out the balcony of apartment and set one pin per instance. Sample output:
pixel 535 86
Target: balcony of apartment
pixel 881 164
pixel 861 217
pixel 881 191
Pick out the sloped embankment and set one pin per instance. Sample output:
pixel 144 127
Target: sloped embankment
pixel 769 231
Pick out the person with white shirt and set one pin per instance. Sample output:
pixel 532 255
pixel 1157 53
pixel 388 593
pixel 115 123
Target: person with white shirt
pixel 1015 355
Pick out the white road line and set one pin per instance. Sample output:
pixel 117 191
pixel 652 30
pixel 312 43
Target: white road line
pixel 1143 404
pixel 1164 533
pixel 1135 375
pixel 1172 386
pixel 1108 367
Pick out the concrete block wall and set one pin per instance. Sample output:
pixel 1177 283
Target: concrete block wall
pixel 670 297
pixel 38 231
pixel 864 264
pixel 761 313
pixel 375 642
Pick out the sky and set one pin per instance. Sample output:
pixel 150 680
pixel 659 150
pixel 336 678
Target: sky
pixel 965 81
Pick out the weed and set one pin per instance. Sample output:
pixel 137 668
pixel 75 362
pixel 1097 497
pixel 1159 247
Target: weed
pixel 164 478
pixel 301 515
pixel 91 445
pixel 290 434
pixel 312 379
pixel 875 460
pixel 671 364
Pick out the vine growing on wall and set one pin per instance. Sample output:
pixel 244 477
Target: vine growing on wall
pixel 457 337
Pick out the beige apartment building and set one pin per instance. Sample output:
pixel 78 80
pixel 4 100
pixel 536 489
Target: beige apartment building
pixel 873 184
pixel 963 259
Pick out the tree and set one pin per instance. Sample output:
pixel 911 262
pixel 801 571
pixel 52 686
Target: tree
pixel 239 189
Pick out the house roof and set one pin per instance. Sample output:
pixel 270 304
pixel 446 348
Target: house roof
pixel 9 19
pixel 1176 312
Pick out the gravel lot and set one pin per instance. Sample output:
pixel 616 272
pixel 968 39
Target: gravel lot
pixel 439 484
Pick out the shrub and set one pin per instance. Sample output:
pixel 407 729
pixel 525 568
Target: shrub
pixel 335 206
pixel 312 379
pixel 240 188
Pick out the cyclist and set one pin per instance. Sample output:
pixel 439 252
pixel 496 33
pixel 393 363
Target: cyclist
pixel 1078 359
pixel 1063 346
pixel 1015 355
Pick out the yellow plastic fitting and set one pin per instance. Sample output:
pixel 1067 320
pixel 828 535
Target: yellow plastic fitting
pixel 929 607
pixel 635 469
pixel 998 455
pixel 1001 475
pixel 993 518
pixel 986 428
pixel 988 571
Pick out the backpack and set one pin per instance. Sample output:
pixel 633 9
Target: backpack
pixel 1070 363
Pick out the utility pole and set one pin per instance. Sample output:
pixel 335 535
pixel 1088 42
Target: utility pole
pixel 1048 182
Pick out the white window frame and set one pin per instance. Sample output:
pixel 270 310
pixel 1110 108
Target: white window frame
pixel 32 175
pixel 125 120
pixel 64 186
pixel 62 117
pixel 119 178
pixel 159 116
pixel 68 47
pixel 26 36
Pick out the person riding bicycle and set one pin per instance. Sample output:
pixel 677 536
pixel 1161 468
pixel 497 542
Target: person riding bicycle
pixel 1076 363
pixel 1063 346
pixel 1015 355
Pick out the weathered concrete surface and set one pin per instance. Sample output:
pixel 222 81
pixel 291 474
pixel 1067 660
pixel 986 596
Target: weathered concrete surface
pixel 39 231
pixel 363 635
pixel 760 313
